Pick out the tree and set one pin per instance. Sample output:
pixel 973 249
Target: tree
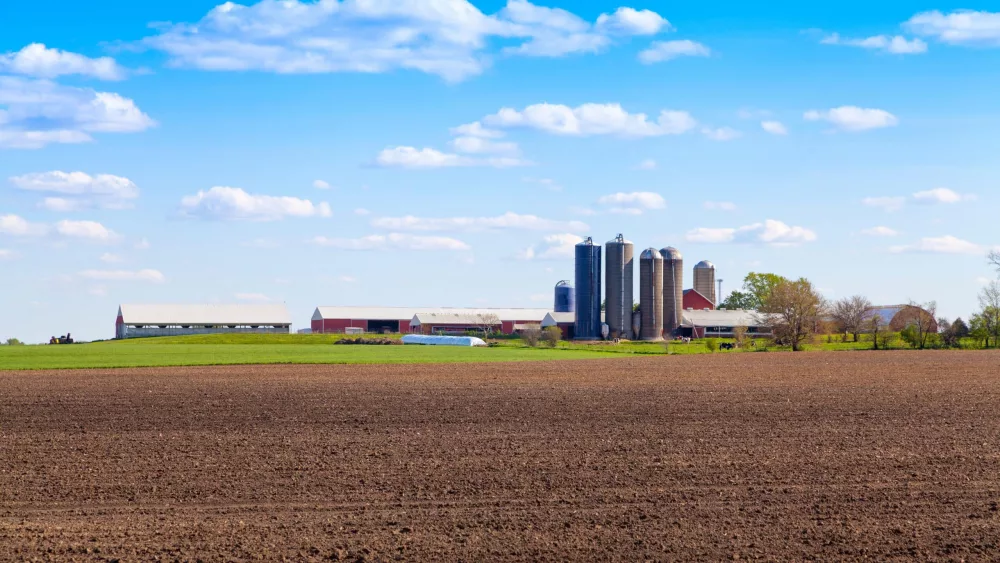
pixel 551 336
pixel 740 336
pixel 874 326
pixel 988 319
pixel 13 342
pixel 921 322
pixel 488 323
pixel 792 310
pixel 850 313
pixel 530 335
pixel 947 331
pixel 756 290
pixel 994 259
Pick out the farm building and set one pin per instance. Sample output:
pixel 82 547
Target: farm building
pixel 898 317
pixel 405 319
pixel 565 321
pixel 139 321
pixel 699 323
pixel 697 301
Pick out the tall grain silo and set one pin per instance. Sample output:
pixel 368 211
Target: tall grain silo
pixel 673 289
pixel 565 301
pixel 588 291
pixel 618 287
pixel 651 294
pixel 704 280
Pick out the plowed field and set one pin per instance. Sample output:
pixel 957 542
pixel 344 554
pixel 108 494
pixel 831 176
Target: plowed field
pixel 836 456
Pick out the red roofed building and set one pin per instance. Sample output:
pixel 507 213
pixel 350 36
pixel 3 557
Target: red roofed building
pixel 696 301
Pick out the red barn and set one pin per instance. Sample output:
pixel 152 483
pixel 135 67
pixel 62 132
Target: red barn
pixel 405 319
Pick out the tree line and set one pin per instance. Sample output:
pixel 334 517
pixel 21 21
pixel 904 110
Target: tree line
pixel 796 311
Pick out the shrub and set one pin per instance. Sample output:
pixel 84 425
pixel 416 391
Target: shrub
pixel 712 344
pixel 14 342
pixel 531 335
pixel 551 336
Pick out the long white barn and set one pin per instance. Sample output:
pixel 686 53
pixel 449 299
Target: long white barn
pixel 140 321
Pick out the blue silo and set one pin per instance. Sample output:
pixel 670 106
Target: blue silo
pixel 588 290
pixel 565 298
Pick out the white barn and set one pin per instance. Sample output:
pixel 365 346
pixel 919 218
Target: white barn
pixel 140 321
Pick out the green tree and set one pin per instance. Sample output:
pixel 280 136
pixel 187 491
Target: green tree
pixel 757 289
pixel 988 319
pixel 793 310
pixel 14 342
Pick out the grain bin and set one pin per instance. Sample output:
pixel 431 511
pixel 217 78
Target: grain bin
pixel 704 280
pixel 565 299
pixel 588 290
pixel 673 289
pixel 618 287
pixel 651 294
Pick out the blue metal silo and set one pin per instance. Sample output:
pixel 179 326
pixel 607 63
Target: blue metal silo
pixel 565 298
pixel 588 290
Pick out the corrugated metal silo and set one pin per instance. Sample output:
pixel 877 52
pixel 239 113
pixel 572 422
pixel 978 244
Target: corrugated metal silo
pixel 619 282
pixel 565 298
pixel 704 280
pixel 673 289
pixel 588 291
pixel 651 294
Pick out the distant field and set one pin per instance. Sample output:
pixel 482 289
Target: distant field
pixel 202 351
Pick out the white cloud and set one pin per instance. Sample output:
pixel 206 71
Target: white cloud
pixel 109 258
pixel 592 119
pixel 98 291
pixel 961 27
pixel 545 182
pixel 321 185
pixel 18 226
pixel 480 145
pixel 87 230
pixel 234 203
pixel 392 241
pixel 889 204
pixel 476 129
pixel 853 118
pixel 633 203
pixel 720 206
pixel 6 254
pixel 941 195
pixel 362 212
pixel 34 113
pixel 38 60
pixel 142 244
pixel 252 297
pixel 648 164
pixel 506 221
pixel 941 245
pixel 774 127
pixel 347 279
pixel 721 134
pixel 411 157
pixel 261 243
pixel 898 44
pixel 880 232
pixel 771 232
pixel 82 190
pixel 449 38
pixel 553 247
pixel 152 276
pixel 660 51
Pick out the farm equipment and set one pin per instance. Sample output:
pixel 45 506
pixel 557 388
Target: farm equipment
pixel 68 339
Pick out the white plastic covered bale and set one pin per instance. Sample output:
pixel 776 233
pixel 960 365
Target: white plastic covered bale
pixel 432 340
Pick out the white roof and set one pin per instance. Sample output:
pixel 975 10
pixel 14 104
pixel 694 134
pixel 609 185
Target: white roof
pixel 553 319
pixel 403 313
pixel 240 314
pixel 733 317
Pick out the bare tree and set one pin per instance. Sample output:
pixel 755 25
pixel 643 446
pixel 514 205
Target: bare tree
pixel 874 326
pixel 793 310
pixel 994 259
pixel 850 314
pixel 919 322
pixel 531 335
pixel 740 335
pixel 988 319
pixel 488 323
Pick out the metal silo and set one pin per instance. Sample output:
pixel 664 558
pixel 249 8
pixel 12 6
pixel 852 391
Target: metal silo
pixel 673 289
pixel 704 280
pixel 619 282
pixel 651 294
pixel 588 291
pixel 565 298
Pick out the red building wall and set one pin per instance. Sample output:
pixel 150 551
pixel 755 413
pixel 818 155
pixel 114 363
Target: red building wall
pixel 697 301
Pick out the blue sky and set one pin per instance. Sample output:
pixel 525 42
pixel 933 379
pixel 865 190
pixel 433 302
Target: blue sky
pixel 448 153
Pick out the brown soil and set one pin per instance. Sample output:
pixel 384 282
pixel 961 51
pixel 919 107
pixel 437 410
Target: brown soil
pixel 833 456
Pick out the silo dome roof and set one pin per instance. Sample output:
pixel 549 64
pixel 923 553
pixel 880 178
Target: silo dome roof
pixel 650 254
pixel 705 264
pixel 671 253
